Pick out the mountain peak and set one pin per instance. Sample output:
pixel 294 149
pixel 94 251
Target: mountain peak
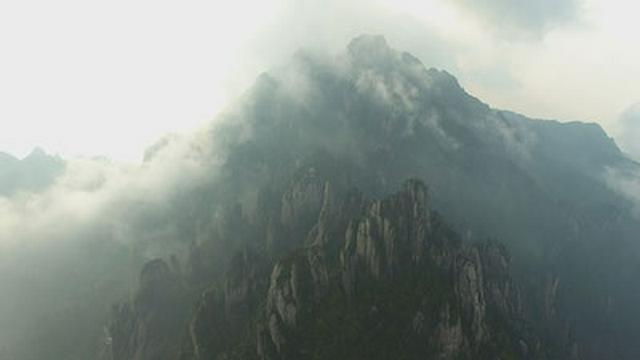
pixel 371 50
pixel 369 42
pixel 36 153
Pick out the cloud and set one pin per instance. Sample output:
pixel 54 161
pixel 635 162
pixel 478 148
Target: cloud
pixel 97 190
pixel 629 131
pixel 626 182
pixel 523 18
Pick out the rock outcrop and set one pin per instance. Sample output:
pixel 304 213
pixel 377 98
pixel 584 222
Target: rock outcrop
pixel 469 295
pixel 389 235
pixel 223 316
pixel 152 326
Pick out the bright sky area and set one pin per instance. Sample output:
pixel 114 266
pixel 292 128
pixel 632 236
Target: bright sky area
pixel 109 78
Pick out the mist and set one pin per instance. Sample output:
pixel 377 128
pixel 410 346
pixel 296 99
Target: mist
pixel 72 249
pixel 628 131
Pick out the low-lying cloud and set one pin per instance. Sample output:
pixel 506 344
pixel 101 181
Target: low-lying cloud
pixel 94 190
pixel 626 182
pixel 69 251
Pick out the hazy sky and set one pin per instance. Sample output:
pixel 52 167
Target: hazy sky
pixel 85 77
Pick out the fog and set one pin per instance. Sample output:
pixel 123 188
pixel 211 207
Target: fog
pixel 628 131
pixel 70 250
pixel 626 181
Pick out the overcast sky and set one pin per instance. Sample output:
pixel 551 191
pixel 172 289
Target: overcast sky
pixel 87 77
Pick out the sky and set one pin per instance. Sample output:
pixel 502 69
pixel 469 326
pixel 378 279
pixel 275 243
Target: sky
pixel 86 78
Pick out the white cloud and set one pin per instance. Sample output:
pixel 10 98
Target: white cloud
pixel 625 182
pixel 97 192
pixel 628 131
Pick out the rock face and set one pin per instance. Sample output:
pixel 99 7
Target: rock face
pixel 389 235
pixel 450 303
pixel 300 206
pixel 297 284
pixel 152 326
pixel 224 316
pixel 501 289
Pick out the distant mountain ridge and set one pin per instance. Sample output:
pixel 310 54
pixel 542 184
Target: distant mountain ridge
pixel 33 173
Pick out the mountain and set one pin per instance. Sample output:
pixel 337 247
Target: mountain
pixel 307 192
pixel 33 173
pixel 364 206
